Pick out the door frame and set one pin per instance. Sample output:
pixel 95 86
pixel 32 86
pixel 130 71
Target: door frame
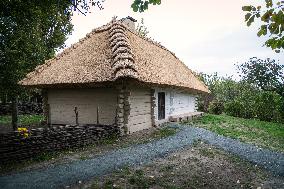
pixel 161 105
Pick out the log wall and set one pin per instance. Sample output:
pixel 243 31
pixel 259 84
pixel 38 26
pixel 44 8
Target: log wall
pixel 93 105
pixel 140 115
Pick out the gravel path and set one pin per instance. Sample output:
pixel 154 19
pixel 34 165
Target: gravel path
pixel 59 176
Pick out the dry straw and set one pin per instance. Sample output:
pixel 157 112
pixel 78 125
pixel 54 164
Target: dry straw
pixel 110 52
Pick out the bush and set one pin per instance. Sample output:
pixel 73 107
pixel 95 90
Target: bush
pixel 241 99
pixel 233 108
pixel 203 102
pixel 263 105
pixel 268 106
pixel 216 107
pixel 281 108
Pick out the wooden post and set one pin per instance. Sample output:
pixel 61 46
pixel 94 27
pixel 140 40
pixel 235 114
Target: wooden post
pixel 98 120
pixel 48 115
pixel 153 105
pixel 120 109
pixel 15 113
pixel 45 106
pixel 76 116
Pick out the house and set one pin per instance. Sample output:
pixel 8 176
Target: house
pixel 113 75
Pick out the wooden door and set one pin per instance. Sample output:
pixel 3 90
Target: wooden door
pixel 161 105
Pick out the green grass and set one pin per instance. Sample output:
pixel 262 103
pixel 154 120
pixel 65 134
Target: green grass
pixel 165 132
pixel 207 152
pixel 23 119
pixel 261 133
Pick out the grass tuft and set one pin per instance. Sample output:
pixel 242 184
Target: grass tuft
pixel 165 132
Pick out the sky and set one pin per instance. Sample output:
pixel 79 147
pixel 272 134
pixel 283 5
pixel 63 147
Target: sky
pixel 207 35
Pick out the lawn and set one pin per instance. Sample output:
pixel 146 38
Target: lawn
pixel 23 119
pixel 264 134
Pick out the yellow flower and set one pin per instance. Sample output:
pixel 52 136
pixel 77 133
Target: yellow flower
pixel 24 131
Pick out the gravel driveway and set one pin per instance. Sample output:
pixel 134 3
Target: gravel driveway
pixel 65 175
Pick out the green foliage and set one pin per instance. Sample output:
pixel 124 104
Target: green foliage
pixel 141 6
pixel 272 18
pixel 24 120
pixel 207 152
pixel 234 108
pixel 109 140
pixel 258 95
pixel 265 74
pixel 165 132
pixel 245 100
pixel 141 29
pixel 216 107
pixel 29 37
pixel 210 81
pixel 264 105
pixel 267 106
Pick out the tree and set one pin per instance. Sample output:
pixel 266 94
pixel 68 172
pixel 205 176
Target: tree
pixel 141 6
pixel 265 74
pixel 30 32
pixel 83 6
pixel 272 19
pixel 141 29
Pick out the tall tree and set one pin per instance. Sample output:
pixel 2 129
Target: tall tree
pixel 265 74
pixel 141 6
pixel 30 32
pixel 271 17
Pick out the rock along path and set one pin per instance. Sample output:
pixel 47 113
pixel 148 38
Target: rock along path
pixel 59 176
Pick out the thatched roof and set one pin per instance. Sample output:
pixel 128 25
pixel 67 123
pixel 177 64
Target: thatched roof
pixel 111 52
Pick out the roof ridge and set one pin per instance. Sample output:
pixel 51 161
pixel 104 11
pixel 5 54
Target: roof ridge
pixel 122 57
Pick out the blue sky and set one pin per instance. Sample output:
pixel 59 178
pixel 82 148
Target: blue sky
pixel 208 36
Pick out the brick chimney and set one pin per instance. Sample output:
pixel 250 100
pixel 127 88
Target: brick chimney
pixel 129 21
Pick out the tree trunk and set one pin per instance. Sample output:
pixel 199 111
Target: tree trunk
pixel 15 113
pixel 4 99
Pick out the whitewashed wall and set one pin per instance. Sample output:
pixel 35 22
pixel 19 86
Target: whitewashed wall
pixel 63 101
pixel 176 102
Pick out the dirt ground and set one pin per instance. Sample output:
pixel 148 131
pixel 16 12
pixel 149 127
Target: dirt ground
pixel 199 166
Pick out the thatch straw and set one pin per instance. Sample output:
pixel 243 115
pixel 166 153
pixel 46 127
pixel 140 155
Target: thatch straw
pixel 123 62
pixel 110 52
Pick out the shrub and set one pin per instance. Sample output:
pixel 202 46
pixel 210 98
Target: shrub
pixel 268 106
pixel 203 102
pixel 233 108
pixel 216 107
pixel 281 108
pixel 241 99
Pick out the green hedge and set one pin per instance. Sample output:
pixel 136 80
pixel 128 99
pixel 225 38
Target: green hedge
pixel 263 105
